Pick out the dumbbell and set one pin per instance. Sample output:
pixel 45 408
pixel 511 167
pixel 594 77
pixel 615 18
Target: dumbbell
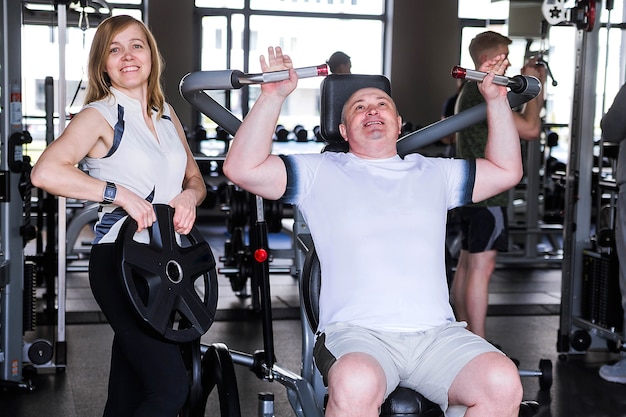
pixel 281 133
pixel 302 135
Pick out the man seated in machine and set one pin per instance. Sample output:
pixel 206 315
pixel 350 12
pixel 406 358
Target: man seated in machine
pixel 378 222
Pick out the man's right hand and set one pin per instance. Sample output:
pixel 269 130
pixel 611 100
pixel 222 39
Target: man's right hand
pixel 276 61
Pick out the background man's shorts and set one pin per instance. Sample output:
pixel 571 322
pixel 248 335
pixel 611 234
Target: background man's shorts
pixel 484 229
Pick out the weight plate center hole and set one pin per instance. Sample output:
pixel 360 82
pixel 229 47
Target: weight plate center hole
pixel 174 271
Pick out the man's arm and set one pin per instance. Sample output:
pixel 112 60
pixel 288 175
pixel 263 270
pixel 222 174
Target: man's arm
pixel 613 123
pixel 249 162
pixel 528 121
pixel 501 169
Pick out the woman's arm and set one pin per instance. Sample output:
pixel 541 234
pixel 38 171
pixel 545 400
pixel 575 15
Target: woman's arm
pixel 57 171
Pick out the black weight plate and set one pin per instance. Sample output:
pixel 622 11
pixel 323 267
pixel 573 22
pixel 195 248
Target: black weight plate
pixel 172 286
pixel 545 380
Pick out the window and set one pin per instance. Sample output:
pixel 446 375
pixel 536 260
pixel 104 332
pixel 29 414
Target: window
pixel 309 31
pixel 40 27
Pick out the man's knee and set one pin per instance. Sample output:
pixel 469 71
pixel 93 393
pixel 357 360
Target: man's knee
pixel 491 377
pixel 357 374
pixel 503 382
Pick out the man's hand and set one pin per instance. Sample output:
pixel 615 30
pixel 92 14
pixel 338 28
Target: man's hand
pixel 535 69
pixel 495 66
pixel 276 61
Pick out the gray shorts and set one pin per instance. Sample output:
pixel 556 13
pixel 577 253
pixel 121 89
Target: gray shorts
pixel 426 362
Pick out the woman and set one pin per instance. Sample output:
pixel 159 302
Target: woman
pixel 135 153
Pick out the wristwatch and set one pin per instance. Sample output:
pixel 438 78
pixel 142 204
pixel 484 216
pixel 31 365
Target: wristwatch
pixel 110 191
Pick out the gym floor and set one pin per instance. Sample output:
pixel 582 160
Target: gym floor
pixel 523 320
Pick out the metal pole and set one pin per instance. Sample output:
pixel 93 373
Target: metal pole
pixel 61 229
pixel 11 208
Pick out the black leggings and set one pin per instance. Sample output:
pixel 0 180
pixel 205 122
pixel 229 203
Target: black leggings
pixel 148 376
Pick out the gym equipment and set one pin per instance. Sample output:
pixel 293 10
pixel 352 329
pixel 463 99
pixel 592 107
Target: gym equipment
pixel 238 259
pixel 172 286
pixel 12 168
pixel 518 84
pixel 301 134
pixel 583 14
pixel 229 79
pixel 304 398
pixel 18 275
pixel 281 134
pixel 431 133
pixel 544 374
pixel 84 213
pixel 542 51
pixel 217 359
pixel 582 325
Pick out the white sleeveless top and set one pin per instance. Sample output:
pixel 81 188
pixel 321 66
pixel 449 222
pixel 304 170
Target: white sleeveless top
pixel 151 168
pixel 379 230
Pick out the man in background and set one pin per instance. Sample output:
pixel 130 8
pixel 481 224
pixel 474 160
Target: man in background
pixel 484 225
pixel 339 63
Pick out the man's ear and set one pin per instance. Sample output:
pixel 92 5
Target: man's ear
pixel 399 125
pixel 342 131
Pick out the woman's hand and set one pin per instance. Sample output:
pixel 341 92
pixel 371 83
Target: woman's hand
pixel 138 208
pixel 184 212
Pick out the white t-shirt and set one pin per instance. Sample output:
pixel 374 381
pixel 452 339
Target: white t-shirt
pixel 151 168
pixel 379 230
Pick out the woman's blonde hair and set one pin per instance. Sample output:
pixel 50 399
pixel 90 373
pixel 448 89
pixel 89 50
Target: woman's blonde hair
pixel 99 81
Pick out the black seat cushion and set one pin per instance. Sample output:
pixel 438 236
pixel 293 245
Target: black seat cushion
pixel 407 402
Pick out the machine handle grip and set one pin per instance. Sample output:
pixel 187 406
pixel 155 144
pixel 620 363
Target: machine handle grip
pixel 234 79
pixel 414 141
pixel 520 84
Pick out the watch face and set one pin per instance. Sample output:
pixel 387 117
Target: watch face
pixel 109 192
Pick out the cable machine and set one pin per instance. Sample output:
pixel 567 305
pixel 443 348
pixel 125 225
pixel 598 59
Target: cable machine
pixel 586 297
pixel 12 164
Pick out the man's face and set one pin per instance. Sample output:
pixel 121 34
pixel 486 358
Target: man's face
pixel 371 123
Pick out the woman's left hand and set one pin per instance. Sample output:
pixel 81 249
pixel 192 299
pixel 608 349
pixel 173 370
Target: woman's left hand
pixel 184 212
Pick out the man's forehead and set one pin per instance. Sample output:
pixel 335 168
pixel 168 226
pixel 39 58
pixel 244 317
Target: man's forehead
pixel 362 93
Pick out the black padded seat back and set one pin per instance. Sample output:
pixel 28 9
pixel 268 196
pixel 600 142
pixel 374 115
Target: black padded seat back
pixel 311 284
pixel 335 90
